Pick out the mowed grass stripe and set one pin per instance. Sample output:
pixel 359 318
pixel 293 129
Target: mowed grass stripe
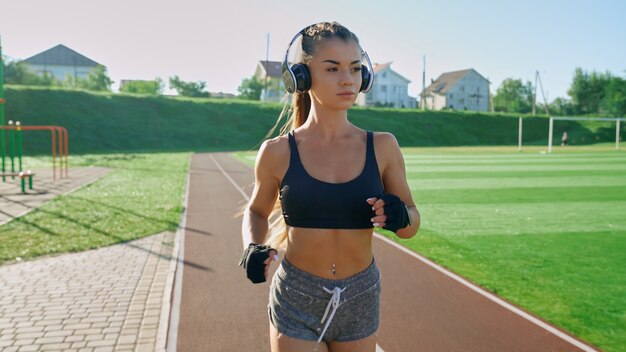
pixel 521 195
pixel 521 167
pixel 509 174
pixel 516 182
pixel 540 160
pixel 504 219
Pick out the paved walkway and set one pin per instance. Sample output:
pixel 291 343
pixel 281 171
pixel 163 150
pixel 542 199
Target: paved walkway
pixel 100 300
pixel 14 203
pixel 115 298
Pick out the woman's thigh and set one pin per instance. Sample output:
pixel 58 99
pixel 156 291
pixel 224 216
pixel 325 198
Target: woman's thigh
pixel 367 344
pixel 284 343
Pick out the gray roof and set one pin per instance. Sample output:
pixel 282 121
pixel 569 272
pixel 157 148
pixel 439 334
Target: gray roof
pixel 62 56
pixel 448 80
pixel 272 68
pixel 379 67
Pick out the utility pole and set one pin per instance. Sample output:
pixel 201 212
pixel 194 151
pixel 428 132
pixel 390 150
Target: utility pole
pixel 267 66
pixel 545 101
pixel 535 94
pixel 422 102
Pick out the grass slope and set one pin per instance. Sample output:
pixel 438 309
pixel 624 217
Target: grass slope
pixel 107 123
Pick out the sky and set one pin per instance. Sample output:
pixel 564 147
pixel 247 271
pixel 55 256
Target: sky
pixel 221 42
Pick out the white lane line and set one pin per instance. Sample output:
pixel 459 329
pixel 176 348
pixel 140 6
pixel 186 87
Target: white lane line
pixel 244 240
pixel 178 286
pixel 489 295
pixel 247 198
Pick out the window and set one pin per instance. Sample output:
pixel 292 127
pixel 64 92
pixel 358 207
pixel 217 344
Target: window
pixel 462 88
pixel 384 74
pixel 394 89
pixel 383 89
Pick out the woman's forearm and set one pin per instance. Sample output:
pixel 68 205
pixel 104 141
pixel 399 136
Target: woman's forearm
pixel 254 227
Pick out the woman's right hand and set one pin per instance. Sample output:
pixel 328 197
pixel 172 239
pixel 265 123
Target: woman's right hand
pixel 255 260
pixel 273 256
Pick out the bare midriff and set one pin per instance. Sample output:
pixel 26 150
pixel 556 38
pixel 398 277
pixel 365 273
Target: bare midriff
pixel 319 251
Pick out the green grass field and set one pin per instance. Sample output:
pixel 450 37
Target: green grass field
pixel 142 195
pixel 545 231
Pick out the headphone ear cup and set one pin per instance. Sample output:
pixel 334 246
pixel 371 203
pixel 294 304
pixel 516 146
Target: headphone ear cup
pixel 303 77
pixel 366 77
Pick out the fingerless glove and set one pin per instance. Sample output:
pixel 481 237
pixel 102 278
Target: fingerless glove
pixel 252 261
pixel 396 211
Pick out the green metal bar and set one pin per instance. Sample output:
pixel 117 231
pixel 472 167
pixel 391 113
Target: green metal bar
pixel 30 181
pixel 2 143
pixel 18 126
pixel 12 148
pixel 2 147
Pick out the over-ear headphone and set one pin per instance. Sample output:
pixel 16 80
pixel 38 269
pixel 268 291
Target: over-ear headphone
pixel 297 77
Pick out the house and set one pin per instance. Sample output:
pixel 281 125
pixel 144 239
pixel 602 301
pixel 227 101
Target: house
pixel 458 90
pixel 275 88
pixel 389 89
pixel 222 95
pixel 59 62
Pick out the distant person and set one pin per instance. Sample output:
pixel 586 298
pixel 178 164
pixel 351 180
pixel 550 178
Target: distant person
pixel 335 182
pixel 564 139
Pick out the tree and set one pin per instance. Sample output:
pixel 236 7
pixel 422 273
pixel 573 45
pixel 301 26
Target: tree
pixel 188 89
pixel 514 96
pixel 143 87
pixel 561 107
pixel 18 73
pixel 97 80
pixel 250 88
pixel 614 101
pixel 588 90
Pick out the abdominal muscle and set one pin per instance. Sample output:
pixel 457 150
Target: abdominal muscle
pixel 316 250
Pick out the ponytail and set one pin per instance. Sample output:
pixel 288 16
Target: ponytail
pixel 277 235
pixel 299 112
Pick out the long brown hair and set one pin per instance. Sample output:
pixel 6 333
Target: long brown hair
pixel 299 110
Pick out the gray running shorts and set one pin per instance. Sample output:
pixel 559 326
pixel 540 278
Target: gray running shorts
pixel 308 307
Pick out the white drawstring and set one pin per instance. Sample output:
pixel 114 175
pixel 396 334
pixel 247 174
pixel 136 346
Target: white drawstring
pixel 334 302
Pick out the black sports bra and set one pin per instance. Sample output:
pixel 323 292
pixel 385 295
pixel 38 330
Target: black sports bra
pixel 309 202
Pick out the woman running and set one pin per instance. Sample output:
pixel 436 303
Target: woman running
pixel 335 182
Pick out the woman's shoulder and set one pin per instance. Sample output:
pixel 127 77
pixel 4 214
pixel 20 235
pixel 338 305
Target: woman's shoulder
pixel 274 150
pixel 387 150
pixel 385 140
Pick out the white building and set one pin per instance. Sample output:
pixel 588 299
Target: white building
pixel 458 90
pixel 61 61
pixel 389 89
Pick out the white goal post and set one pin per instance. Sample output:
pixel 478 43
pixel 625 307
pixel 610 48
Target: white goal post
pixel 551 128
pixel 616 119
